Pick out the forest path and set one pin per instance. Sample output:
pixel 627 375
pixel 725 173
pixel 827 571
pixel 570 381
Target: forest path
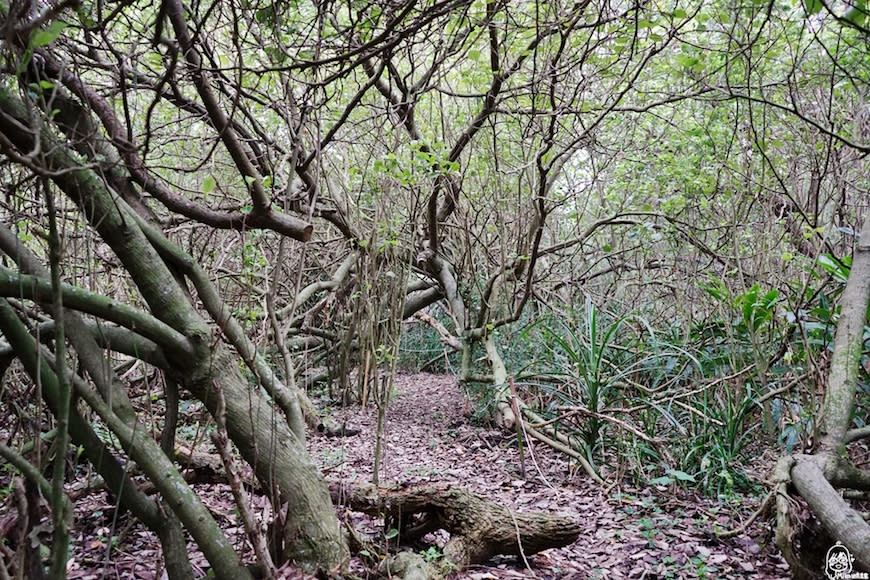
pixel 629 533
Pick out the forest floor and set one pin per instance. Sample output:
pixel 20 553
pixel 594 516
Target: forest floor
pixel 628 532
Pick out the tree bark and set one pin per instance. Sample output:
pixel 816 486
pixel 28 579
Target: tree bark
pixel 814 477
pixel 844 523
pixel 167 528
pixel 279 459
pixel 848 343
pixel 479 529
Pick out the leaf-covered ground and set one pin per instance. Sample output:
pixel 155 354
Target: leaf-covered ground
pixel 629 532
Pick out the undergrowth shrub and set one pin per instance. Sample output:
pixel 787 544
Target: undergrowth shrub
pixel 672 404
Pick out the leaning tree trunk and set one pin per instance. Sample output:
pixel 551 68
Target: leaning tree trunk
pixel 203 364
pixel 817 477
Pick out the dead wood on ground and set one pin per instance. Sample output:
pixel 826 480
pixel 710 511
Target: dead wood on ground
pixel 479 529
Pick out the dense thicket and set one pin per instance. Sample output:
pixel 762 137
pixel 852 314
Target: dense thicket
pixel 626 227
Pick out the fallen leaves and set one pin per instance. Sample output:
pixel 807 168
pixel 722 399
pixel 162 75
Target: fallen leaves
pixel 628 533
pixel 631 533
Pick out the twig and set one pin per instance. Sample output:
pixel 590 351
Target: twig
pixel 445 336
pixel 520 542
pixel 521 424
pixel 567 450
pixel 258 541
pixel 743 527
pixel 520 428
pixel 787 387
pixel 574 409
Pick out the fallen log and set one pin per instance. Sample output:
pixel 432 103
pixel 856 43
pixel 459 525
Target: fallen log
pixel 479 529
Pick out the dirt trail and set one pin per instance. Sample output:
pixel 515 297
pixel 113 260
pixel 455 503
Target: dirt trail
pixel 630 533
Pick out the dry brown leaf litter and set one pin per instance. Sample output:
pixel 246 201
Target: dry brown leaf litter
pixel 630 533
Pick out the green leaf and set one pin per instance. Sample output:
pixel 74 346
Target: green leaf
pixel 391 534
pixel 682 475
pixel 47 36
pixel 813 7
pixel 714 287
pixel 839 269
pixel 857 14
pixel 208 184
pixel 265 15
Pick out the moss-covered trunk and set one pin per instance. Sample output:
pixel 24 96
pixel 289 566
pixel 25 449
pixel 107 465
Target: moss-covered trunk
pixel 279 459
pixel 817 477
pixel 206 366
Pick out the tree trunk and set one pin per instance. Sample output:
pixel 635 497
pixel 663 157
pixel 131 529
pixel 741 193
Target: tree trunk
pixel 205 365
pixel 815 477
